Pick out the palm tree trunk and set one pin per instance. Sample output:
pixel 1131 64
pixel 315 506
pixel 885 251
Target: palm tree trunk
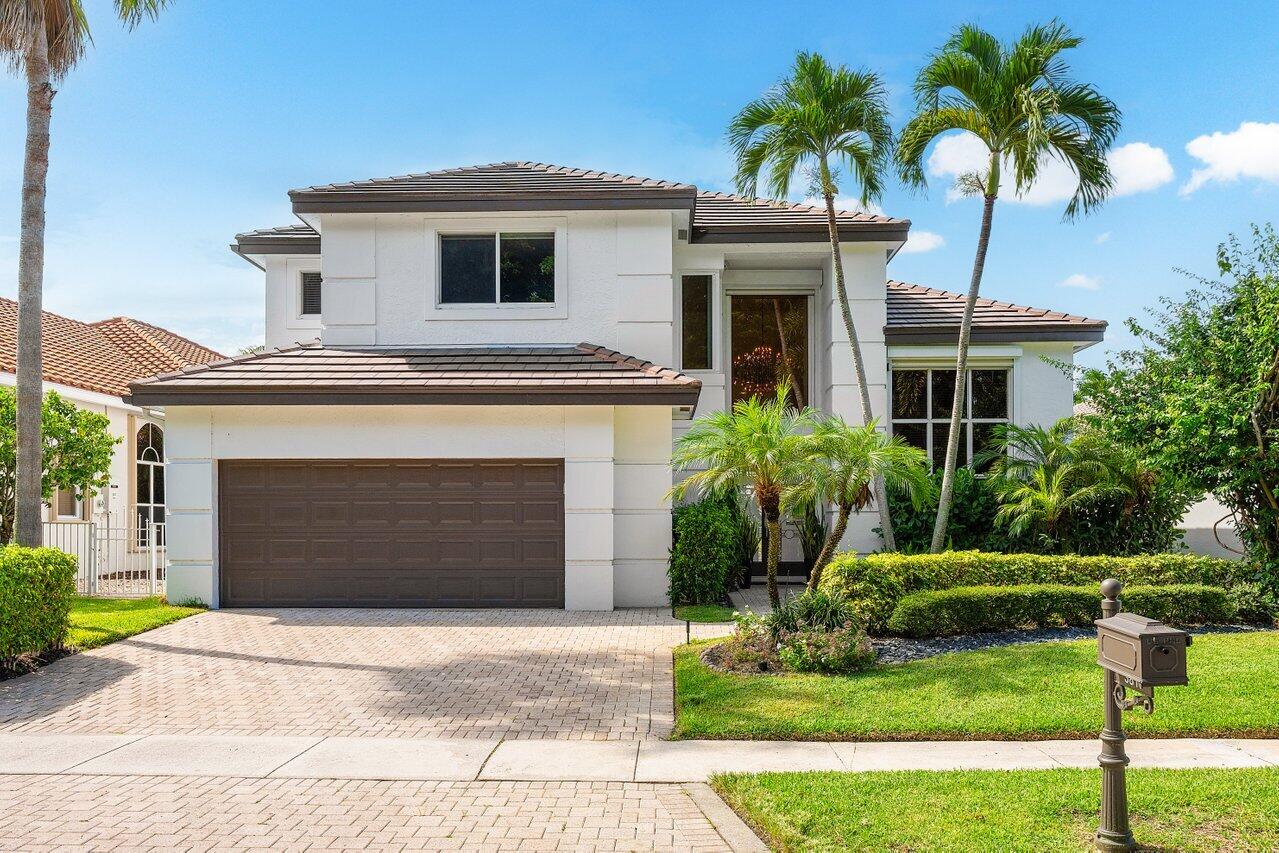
pixel 35 170
pixel 790 374
pixel 859 367
pixel 774 522
pixel 961 359
pixel 829 546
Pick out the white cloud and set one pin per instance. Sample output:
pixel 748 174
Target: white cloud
pixel 1137 167
pixel 922 241
pixel 1081 281
pixel 1103 237
pixel 1250 151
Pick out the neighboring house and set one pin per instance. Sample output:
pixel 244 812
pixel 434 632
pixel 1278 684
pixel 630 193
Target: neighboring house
pixel 92 364
pixel 476 375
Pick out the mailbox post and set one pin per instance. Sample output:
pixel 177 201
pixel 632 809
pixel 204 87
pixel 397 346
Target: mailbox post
pixel 1135 653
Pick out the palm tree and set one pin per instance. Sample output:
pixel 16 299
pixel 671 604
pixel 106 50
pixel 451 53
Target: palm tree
pixel 843 461
pixel 43 40
pixel 816 120
pixel 1020 102
pixel 1041 503
pixel 759 445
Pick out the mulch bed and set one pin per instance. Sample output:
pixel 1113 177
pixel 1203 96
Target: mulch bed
pixel 23 664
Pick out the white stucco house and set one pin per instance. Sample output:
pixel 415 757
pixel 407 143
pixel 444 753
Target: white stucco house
pixel 474 378
pixel 91 365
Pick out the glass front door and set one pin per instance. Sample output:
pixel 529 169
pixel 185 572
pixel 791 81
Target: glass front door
pixel 768 340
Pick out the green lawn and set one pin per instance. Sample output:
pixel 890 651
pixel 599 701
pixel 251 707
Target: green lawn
pixel 1016 692
pixel 704 613
pixel 1028 810
pixel 98 621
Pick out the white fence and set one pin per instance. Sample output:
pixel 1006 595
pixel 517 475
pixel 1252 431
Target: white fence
pixel 114 561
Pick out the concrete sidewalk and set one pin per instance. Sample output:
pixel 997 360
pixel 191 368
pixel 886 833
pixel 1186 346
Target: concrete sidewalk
pixel 465 759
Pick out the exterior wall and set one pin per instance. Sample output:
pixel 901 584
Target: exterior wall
pixel 1203 535
pixel 614 508
pixel 285 326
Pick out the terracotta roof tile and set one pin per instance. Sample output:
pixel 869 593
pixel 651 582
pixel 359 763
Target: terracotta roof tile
pixel 518 374
pixel 103 357
pixel 925 314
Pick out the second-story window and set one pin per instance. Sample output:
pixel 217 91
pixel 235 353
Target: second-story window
pixel 505 268
pixel 695 322
pixel 312 284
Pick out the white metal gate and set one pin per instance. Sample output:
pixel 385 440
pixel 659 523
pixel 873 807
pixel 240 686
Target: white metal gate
pixel 113 561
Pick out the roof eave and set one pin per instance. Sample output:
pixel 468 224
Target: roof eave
pixel 685 395
pixel 948 335
pixel 859 233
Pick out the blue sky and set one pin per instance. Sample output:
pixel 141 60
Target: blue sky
pixel 171 138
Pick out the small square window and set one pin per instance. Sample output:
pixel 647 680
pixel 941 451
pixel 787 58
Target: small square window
pixel 503 268
pixel 466 268
pixel 312 287
pixel 528 268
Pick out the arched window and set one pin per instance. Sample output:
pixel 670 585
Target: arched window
pixel 150 480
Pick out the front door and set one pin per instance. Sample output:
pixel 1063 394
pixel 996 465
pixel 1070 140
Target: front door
pixel 768 345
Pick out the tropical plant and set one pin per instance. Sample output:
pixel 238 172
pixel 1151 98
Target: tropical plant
pixel 757 445
pixel 841 464
pixel 809 521
pixel 43 40
pixel 1020 102
pixel 76 455
pixel 972 517
pixel 1199 396
pixel 818 119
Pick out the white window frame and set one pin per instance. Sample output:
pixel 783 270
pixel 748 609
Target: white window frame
pixel 726 320
pixel 78 515
pixel 557 309
pixel 140 531
pixel 967 420
pixel 298 298
pixel 717 298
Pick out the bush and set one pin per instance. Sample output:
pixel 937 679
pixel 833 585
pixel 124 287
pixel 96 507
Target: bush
pixel 972 516
pixel 36 588
pixel 839 652
pixel 705 554
pixel 971 609
pixel 877 582
pixel 750 649
pixel 812 610
pixel 1255 604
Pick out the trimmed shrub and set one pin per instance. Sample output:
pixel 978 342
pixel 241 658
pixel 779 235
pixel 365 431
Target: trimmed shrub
pixel 1255 604
pixel 971 609
pixel 877 582
pixel 705 554
pixel 36 588
pixel 840 652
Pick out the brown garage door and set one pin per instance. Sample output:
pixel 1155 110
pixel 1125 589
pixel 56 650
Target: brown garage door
pixel 391 533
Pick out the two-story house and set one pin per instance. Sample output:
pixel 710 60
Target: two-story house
pixel 474 377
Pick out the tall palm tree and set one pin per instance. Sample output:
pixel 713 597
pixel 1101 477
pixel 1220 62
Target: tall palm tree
pixel 816 120
pixel 843 461
pixel 1020 101
pixel 43 40
pixel 759 445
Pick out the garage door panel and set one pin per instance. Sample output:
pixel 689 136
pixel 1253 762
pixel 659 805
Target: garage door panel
pixel 405 533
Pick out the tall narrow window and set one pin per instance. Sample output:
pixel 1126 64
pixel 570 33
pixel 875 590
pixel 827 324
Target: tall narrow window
pixel 149 473
pixel 695 322
pixel 921 410
pixel 312 285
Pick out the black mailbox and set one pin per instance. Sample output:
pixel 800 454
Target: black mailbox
pixel 1143 652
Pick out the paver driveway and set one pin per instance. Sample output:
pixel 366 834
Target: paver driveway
pixel 390 673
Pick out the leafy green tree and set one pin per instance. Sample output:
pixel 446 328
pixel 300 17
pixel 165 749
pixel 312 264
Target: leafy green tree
pixel 1020 101
pixel 77 452
pixel 43 40
pixel 758 445
pixel 842 463
pixel 1199 396
pixel 814 121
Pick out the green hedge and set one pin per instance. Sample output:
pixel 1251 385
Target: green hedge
pixel 36 588
pixel 878 581
pixel 705 552
pixel 969 609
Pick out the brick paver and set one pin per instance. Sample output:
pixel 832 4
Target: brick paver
pixel 367 673
pixel 40 813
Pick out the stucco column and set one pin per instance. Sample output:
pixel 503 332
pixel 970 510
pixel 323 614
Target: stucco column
pixel 190 497
pixel 588 507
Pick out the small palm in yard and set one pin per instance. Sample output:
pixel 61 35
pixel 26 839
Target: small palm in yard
pixel 42 40
pixel 816 120
pixel 842 463
pixel 1019 101
pixel 758 445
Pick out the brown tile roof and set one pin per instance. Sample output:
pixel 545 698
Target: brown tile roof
pixel 311 374
pixel 721 217
pixel 918 314
pixel 104 356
